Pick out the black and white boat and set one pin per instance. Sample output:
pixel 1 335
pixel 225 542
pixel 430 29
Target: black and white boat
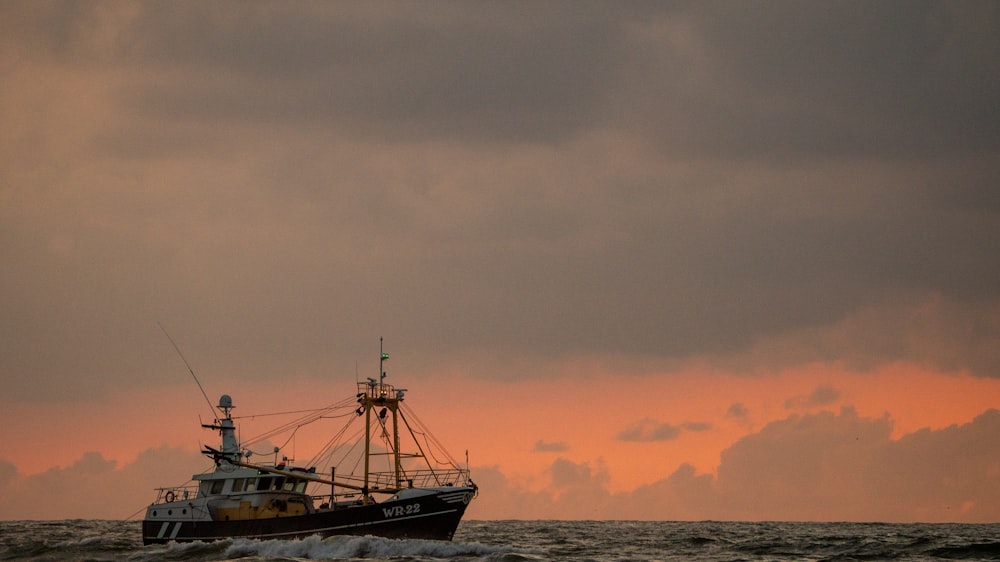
pixel 416 496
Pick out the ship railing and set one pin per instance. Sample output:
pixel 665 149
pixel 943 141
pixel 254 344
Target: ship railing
pixel 376 390
pixel 420 479
pixel 176 493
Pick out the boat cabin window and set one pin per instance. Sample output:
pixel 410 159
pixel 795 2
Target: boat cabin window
pixel 210 487
pixel 269 483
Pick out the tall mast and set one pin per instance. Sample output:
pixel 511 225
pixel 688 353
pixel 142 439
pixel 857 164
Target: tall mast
pixel 392 402
pixel 368 444
pixel 397 467
pixel 375 392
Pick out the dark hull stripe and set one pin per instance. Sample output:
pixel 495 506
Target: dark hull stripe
pixel 433 518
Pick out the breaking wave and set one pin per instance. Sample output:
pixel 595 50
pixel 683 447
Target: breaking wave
pixel 316 548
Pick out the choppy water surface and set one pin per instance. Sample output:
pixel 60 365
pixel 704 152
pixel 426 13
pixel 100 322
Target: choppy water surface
pixel 511 541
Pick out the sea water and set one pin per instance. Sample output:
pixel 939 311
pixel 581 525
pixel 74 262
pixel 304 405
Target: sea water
pixel 511 541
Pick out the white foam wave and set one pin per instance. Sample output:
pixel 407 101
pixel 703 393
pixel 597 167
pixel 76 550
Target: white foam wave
pixel 316 548
pixel 78 543
pixel 175 551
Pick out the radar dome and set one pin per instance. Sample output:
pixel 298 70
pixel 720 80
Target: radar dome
pixel 225 402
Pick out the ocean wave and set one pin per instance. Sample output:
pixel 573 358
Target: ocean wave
pixel 196 550
pixel 526 541
pixel 316 548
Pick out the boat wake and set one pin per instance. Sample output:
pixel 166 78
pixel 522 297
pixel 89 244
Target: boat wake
pixel 318 548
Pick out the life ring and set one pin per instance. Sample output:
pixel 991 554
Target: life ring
pixel 170 496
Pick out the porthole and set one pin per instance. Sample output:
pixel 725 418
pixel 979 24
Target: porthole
pixel 170 512
pixel 184 512
pixel 154 514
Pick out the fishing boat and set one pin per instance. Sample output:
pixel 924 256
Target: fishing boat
pixel 417 495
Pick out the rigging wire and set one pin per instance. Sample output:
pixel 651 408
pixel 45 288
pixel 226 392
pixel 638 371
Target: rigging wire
pixel 141 509
pixel 299 422
pixel 386 440
pixel 431 451
pixel 190 370
pixel 290 437
pixel 252 416
pixel 325 455
pixel 427 434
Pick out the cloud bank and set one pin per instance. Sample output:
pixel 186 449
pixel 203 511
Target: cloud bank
pixel 818 467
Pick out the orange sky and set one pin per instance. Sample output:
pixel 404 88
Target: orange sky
pixel 515 415
pixel 501 422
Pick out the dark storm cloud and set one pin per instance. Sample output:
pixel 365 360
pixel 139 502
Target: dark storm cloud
pixel 780 80
pixel 537 180
pixel 386 71
pixel 771 80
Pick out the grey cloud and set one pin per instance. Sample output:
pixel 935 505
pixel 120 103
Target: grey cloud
pixel 381 71
pixel 933 330
pixel 822 395
pixel 862 473
pixel 901 79
pixel 549 446
pixel 652 430
pixel 371 72
pixel 649 430
pixel 80 490
pixel 771 81
pixel 8 472
pixel 737 411
pixel 568 474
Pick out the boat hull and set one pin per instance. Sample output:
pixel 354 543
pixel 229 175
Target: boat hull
pixel 434 517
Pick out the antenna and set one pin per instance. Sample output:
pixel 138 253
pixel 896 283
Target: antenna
pixel 190 370
pixel 383 356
